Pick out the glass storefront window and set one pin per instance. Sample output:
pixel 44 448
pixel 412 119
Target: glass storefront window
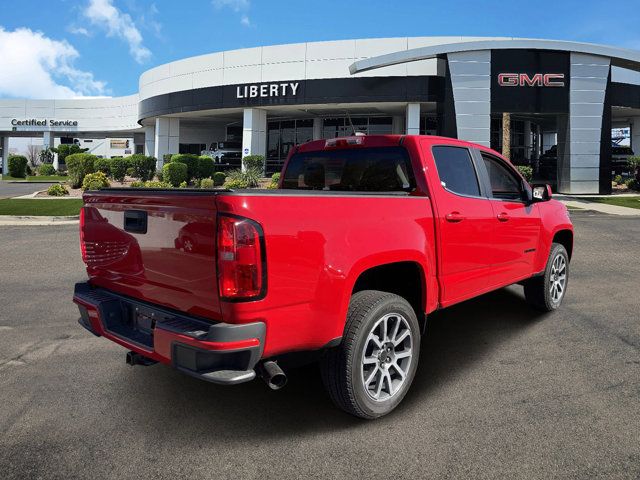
pixel 282 135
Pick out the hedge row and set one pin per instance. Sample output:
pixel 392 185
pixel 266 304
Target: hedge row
pixel 81 164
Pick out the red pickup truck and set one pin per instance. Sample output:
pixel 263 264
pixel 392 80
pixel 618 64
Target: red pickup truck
pixel 364 238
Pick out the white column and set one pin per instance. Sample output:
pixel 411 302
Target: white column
pixel 397 125
pixel 413 119
pixel 5 155
pixel 166 138
pixel 150 141
pixel 254 132
pixel 317 128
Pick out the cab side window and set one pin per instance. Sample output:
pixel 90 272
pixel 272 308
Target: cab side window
pixel 456 171
pixel 505 184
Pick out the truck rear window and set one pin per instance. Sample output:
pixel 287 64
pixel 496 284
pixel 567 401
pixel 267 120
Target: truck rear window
pixel 385 169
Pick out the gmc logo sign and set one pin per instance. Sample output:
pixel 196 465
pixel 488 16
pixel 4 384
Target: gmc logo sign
pixel 537 80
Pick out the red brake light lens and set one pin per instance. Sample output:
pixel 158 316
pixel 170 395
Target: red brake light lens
pixel 241 270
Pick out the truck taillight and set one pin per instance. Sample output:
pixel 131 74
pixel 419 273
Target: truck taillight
pixel 83 246
pixel 241 259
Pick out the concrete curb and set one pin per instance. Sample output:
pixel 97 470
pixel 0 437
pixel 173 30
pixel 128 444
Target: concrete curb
pixel 14 220
pixel 599 207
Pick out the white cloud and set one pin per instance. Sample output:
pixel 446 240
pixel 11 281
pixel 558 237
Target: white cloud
pixel 78 30
pixel 104 15
pixel 35 66
pixel 235 5
pixel 238 6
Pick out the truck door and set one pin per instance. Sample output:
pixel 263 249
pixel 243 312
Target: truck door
pixel 465 221
pixel 516 221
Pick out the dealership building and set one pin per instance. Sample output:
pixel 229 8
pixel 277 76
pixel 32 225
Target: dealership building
pixel 564 99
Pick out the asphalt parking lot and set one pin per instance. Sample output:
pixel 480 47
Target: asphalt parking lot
pixel 501 391
pixel 14 189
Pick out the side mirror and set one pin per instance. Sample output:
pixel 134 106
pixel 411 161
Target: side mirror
pixel 541 193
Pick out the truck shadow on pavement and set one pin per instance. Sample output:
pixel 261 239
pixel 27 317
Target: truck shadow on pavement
pixel 456 339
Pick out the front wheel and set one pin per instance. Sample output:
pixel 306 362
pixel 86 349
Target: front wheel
pixel 547 291
pixel 369 374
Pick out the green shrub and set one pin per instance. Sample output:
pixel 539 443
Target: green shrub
pixel 29 171
pixel 190 160
pixel 526 172
pixel 143 167
pixel 175 173
pixel 137 184
pixel 130 170
pixel 46 169
pixel 183 185
pixel 275 179
pixel 206 183
pixel 252 176
pixel 155 184
pixel 166 158
pixel 95 181
pixel 103 165
pixel 239 179
pixel 159 175
pixel 219 178
pixel 118 168
pixel 17 166
pixel 617 179
pixel 79 165
pixel 57 190
pixel 634 164
pixel 236 183
pixel 205 166
pixel 254 162
pixel 632 184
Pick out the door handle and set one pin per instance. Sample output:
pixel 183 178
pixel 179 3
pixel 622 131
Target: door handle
pixel 503 217
pixel 454 217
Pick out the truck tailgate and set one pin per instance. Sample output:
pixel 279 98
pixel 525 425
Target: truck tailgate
pixel 155 246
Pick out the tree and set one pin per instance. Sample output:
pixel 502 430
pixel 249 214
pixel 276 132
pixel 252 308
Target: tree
pixel 46 155
pixel 506 135
pixel 65 150
pixel 33 154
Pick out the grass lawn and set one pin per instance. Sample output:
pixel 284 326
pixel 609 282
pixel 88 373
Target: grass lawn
pixel 632 202
pixel 48 207
pixel 38 178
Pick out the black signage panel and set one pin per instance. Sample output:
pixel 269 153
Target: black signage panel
pixel 297 92
pixel 529 81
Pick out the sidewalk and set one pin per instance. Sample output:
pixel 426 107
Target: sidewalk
pixel 583 202
pixel 13 220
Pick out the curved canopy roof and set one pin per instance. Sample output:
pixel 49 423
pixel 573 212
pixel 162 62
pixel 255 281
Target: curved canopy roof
pixel 620 57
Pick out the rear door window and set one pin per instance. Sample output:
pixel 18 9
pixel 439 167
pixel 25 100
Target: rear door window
pixel 384 169
pixel 456 171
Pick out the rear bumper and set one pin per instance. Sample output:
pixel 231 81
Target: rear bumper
pixel 216 352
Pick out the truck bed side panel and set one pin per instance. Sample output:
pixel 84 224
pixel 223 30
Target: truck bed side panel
pixel 317 246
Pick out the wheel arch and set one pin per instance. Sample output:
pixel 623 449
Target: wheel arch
pixel 406 278
pixel 565 238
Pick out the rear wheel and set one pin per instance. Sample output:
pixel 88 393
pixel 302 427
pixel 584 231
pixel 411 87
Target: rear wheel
pixel 369 374
pixel 546 291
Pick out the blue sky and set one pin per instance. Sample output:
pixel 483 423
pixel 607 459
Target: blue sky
pixel 66 48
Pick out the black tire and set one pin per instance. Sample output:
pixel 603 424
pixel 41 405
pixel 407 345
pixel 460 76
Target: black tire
pixel 342 367
pixel 537 290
